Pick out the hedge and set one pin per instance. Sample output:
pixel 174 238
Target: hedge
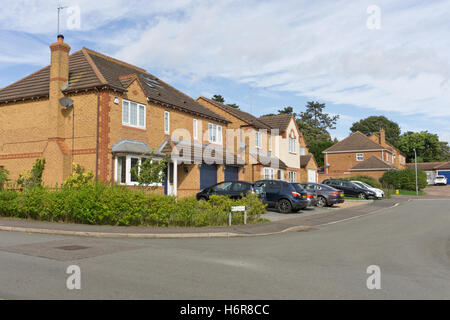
pixel 404 179
pixel 101 204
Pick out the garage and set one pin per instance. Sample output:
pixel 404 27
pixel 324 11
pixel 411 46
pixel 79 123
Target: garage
pixel 445 173
pixel 231 173
pixel 208 175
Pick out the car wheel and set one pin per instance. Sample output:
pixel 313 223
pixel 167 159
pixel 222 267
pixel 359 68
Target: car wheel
pixel 321 202
pixel 284 206
pixel 202 199
pixel 362 196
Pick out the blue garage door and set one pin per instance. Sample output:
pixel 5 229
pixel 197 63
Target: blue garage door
pixel 231 173
pixel 446 174
pixel 208 175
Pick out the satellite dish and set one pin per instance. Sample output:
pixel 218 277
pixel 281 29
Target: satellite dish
pixel 66 102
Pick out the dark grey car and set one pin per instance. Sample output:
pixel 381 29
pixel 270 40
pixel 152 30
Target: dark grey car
pixel 326 195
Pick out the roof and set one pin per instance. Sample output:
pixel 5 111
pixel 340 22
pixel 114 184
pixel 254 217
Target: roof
pixel 132 146
pixel 429 166
pixel 304 160
pixel 192 152
pixel 389 144
pixel 89 69
pixel 357 141
pixel 373 163
pixel 280 121
pixel 244 116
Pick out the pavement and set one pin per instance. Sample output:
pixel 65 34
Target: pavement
pixel 306 220
pixel 410 243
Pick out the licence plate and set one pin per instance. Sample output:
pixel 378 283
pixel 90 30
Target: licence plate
pixel 342 195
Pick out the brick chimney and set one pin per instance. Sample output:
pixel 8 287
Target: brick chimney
pixel 382 136
pixel 59 76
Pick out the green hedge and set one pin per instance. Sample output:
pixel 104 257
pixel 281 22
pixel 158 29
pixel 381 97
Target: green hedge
pixel 366 179
pixel 404 179
pixel 114 205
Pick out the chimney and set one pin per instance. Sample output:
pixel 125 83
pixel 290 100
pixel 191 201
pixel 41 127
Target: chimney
pixel 382 136
pixel 59 76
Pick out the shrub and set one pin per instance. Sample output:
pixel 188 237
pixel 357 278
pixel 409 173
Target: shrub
pixel 3 177
pixel 366 179
pixel 404 179
pixel 32 178
pixel 79 177
pixel 97 203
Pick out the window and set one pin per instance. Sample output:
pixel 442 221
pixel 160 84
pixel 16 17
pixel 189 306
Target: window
pixel 194 129
pixel 279 177
pixel 268 173
pixel 215 133
pixel 393 158
pixel 134 163
pixel 133 114
pixel 258 139
pixel 123 166
pixel 292 142
pixel 225 186
pixel 360 157
pixel 166 122
pixel 292 176
pixel 270 142
pixel 302 151
pixel 241 187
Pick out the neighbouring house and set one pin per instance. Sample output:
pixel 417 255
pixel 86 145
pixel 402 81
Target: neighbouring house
pixel 433 169
pixel 359 154
pixel 105 114
pixel 309 171
pixel 271 146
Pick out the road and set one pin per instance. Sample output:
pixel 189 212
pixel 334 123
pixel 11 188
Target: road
pixel 410 243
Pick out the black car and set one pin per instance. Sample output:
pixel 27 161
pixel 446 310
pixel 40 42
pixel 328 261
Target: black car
pixel 326 195
pixel 311 195
pixel 233 189
pixel 285 196
pixel 351 189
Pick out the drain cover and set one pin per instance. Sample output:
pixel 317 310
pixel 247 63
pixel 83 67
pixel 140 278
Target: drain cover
pixel 72 248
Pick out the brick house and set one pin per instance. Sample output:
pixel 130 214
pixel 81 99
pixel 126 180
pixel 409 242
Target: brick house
pixel 115 113
pixel 359 154
pixel 272 146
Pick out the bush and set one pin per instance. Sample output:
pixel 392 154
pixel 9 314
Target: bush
pixel 32 178
pixel 3 177
pixel 102 204
pixel 366 179
pixel 404 179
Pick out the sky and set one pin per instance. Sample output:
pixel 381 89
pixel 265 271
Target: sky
pixel 360 58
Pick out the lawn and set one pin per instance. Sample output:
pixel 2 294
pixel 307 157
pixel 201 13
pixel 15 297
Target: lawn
pixel 403 192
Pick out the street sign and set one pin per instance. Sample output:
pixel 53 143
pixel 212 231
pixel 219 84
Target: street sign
pixel 238 209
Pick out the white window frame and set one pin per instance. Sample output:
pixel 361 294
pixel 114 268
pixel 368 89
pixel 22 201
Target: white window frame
pixel 268 173
pixel 360 157
pixel 270 142
pixel 302 151
pixel 258 140
pixel 214 133
pixel 166 122
pixel 292 176
pixel 292 145
pixel 128 181
pixel 195 129
pixel 127 122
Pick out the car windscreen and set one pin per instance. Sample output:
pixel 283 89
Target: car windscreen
pixel 359 184
pixel 327 187
pixel 298 187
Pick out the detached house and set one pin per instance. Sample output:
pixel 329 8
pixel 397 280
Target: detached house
pixel 359 154
pixel 271 146
pixel 105 114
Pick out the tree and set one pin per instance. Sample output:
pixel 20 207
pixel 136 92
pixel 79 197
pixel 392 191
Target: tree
pixel 218 98
pixel 32 178
pixel 426 144
pixel 314 123
pixel 150 172
pixel 233 105
pixel 445 148
pixel 374 124
pixel 287 110
pixel 3 177
pixel 316 148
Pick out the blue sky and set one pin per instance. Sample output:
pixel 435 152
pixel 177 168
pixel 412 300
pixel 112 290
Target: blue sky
pixel 262 55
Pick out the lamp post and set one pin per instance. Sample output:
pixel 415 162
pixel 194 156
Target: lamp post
pixel 415 165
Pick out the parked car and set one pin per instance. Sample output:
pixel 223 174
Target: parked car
pixel 233 189
pixel 326 195
pixel 378 192
pixel 284 196
pixel 350 189
pixel 311 195
pixel 440 180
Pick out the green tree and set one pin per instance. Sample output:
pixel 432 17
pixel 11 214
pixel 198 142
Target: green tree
pixel 32 178
pixel 150 172
pixel 427 146
pixel 445 148
pixel 316 148
pixel 3 177
pixel 314 123
pixel 287 110
pixel 218 98
pixel 233 105
pixel 373 124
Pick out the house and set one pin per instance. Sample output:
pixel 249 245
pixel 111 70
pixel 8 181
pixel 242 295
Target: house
pixel 272 146
pixel 105 114
pixel 433 169
pixel 359 154
pixel 397 157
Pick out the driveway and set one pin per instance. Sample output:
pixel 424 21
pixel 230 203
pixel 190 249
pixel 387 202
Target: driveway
pixel 438 191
